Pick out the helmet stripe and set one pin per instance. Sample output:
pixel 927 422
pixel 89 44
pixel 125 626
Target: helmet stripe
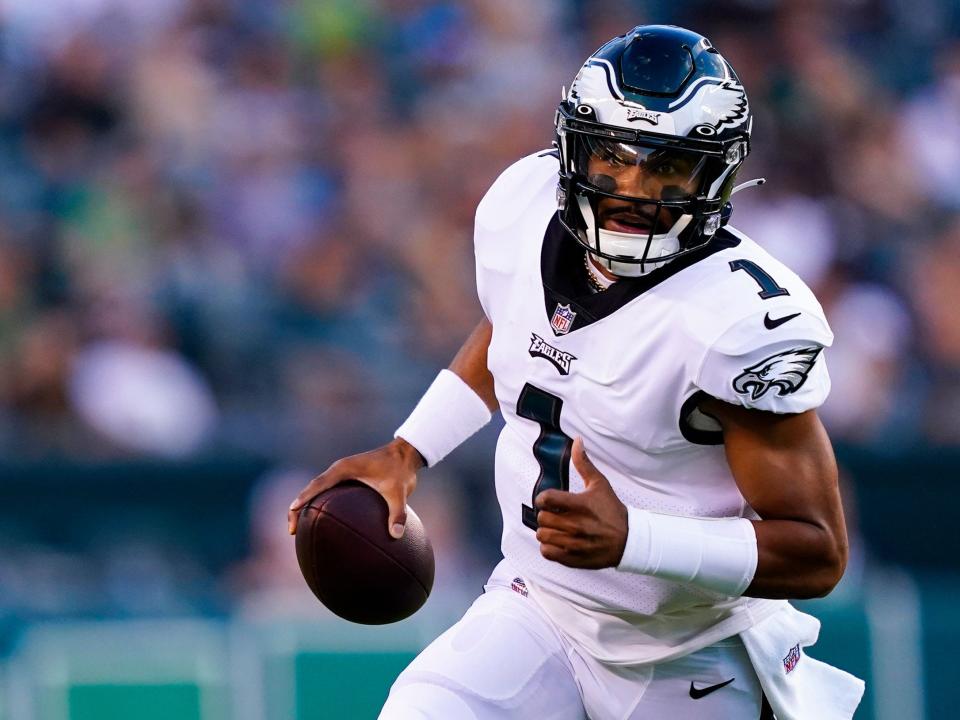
pixel 610 74
pixel 689 92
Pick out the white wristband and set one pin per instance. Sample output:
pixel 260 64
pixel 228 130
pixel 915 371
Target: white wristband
pixel 448 413
pixel 718 554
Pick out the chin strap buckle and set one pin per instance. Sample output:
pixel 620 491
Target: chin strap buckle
pixel 725 212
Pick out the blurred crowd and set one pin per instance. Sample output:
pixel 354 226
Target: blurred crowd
pixel 245 225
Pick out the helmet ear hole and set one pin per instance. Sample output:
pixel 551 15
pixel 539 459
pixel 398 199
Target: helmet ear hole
pixel 586 112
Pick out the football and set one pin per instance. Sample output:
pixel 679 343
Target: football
pixel 351 563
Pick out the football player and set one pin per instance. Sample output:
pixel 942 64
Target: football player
pixel 664 480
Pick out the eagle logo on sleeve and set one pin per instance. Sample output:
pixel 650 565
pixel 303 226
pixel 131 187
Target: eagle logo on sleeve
pixel 785 371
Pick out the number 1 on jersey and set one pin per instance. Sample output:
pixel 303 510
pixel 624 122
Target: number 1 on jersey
pixel 768 286
pixel 552 449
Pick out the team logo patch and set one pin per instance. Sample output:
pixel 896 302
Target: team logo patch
pixel 519 586
pixel 786 371
pixel 562 319
pixel 561 360
pixel 792 658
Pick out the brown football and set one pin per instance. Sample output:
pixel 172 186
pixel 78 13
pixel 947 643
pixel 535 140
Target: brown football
pixel 353 565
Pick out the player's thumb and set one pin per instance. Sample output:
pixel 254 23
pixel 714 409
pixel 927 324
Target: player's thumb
pixel 584 465
pixel 397 521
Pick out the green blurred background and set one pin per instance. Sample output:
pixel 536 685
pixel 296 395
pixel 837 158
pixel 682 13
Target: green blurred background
pixel 235 244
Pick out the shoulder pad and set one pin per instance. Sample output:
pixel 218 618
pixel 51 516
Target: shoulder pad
pixel 512 192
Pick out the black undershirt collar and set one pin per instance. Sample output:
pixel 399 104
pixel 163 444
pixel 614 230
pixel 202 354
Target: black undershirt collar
pixel 565 278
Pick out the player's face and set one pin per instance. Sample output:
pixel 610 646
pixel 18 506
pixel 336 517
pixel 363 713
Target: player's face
pixel 643 173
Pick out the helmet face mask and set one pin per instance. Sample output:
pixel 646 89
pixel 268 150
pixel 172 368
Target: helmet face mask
pixel 651 135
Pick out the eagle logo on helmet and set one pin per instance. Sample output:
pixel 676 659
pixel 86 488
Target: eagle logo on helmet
pixel 785 371
pixel 726 102
pixel 723 102
pixel 596 80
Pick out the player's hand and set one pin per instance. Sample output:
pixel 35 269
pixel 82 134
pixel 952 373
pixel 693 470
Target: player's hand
pixel 391 470
pixel 586 529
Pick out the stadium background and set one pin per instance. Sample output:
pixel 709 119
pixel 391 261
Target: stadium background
pixel 235 244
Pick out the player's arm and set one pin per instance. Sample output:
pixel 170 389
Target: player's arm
pixel 785 468
pixel 783 464
pixel 457 404
pixel 470 363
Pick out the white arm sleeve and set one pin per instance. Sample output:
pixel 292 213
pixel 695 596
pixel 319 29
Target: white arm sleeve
pixel 449 412
pixel 718 554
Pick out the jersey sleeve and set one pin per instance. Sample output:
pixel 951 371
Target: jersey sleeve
pixel 780 370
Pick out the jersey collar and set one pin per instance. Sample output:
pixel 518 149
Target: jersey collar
pixel 565 278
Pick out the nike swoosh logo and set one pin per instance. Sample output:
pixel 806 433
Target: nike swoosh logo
pixel 703 692
pixel 770 324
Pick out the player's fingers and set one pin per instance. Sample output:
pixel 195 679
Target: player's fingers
pixel 552 536
pixel 558 521
pixel 548 536
pixel 584 465
pixel 553 552
pixel 395 497
pixel 571 557
pixel 558 501
pixel 396 513
pixel 324 481
pixel 297 505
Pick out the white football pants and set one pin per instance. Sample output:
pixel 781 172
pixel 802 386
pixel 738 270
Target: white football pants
pixel 504 660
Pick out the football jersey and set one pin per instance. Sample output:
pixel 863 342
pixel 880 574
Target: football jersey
pixel 625 369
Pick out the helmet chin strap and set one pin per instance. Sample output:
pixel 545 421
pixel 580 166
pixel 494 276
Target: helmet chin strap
pixel 624 269
pixel 632 245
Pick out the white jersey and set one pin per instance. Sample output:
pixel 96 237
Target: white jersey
pixel 625 369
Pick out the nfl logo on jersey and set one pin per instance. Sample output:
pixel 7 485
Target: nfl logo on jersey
pixel 562 319
pixel 792 658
